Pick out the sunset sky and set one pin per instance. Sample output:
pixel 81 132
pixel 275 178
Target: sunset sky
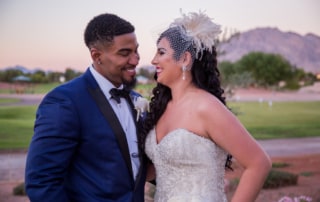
pixel 48 34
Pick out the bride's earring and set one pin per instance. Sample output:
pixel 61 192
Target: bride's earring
pixel 184 69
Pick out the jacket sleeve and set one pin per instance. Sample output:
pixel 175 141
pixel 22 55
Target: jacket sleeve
pixel 52 146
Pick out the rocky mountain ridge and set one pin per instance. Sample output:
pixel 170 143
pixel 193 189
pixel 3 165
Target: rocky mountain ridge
pixel 301 51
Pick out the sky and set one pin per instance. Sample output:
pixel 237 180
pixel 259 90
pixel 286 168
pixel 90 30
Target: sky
pixel 48 34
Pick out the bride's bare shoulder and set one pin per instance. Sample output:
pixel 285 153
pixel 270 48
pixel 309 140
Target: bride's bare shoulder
pixel 207 100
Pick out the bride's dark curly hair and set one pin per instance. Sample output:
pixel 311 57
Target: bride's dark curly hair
pixel 205 75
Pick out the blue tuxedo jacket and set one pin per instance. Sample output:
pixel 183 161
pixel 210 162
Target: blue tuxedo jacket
pixel 79 151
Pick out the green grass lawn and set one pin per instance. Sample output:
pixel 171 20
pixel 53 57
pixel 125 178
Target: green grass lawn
pixel 31 88
pixel 44 88
pixel 8 100
pixel 281 120
pixel 145 90
pixel 16 123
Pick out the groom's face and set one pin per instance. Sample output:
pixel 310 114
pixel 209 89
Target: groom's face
pixel 118 59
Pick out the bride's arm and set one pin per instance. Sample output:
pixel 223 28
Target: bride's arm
pixel 227 131
pixel 151 173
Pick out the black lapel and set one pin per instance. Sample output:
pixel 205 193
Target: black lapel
pixel 133 110
pixel 141 153
pixel 142 157
pixel 141 169
pixel 111 117
pixel 138 124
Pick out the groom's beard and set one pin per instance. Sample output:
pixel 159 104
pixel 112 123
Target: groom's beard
pixel 130 85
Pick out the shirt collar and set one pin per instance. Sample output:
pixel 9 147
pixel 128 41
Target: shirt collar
pixel 104 84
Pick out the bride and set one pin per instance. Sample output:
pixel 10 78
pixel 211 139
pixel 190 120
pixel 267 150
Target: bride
pixel 189 134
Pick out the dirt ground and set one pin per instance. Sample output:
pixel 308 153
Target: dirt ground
pixel 307 167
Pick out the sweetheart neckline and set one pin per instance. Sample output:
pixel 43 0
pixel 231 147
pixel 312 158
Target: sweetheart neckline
pixel 174 130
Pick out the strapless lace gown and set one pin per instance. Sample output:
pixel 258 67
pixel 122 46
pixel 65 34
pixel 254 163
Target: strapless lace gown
pixel 189 168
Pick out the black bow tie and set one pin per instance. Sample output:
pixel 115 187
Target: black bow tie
pixel 117 93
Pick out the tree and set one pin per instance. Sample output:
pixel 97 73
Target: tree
pixel 9 74
pixel 39 77
pixel 54 76
pixel 232 76
pixel 70 74
pixel 267 69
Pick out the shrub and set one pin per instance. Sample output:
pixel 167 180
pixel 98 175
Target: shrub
pixel 277 179
pixel 279 165
pixel 19 190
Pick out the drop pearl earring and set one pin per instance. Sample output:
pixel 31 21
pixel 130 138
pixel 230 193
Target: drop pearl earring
pixel 184 69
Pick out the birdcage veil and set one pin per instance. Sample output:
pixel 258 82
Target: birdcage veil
pixel 196 30
pixel 199 28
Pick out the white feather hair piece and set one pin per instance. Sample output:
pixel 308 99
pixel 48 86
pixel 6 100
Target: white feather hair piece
pixel 200 28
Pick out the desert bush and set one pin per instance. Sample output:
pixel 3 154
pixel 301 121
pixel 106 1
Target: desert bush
pixel 278 178
pixel 19 190
pixel 279 165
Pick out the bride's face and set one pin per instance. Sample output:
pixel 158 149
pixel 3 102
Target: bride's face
pixel 168 69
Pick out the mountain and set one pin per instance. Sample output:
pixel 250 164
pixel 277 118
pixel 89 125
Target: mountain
pixel 23 69
pixel 19 67
pixel 301 51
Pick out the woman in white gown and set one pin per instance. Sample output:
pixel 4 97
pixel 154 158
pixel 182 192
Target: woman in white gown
pixel 189 131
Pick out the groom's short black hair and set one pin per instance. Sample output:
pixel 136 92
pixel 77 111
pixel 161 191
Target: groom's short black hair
pixel 104 27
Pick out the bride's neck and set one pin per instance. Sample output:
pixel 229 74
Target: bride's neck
pixel 180 92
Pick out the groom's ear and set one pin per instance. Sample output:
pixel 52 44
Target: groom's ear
pixel 95 54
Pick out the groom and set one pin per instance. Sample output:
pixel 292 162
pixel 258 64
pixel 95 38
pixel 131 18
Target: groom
pixel 84 146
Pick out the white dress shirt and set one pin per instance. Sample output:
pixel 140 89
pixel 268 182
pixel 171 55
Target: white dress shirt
pixel 123 112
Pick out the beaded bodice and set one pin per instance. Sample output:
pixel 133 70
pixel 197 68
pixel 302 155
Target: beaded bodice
pixel 189 167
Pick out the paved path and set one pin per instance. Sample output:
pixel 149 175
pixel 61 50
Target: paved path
pixel 12 167
pixel 305 94
pixel 25 99
pixel 291 146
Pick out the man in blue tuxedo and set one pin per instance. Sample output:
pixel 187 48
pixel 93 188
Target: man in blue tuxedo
pixel 85 142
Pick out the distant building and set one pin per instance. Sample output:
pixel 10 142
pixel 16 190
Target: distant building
pixel 21 79
pixel 22 84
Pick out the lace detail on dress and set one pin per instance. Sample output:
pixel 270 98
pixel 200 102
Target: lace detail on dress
pixel 189 168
